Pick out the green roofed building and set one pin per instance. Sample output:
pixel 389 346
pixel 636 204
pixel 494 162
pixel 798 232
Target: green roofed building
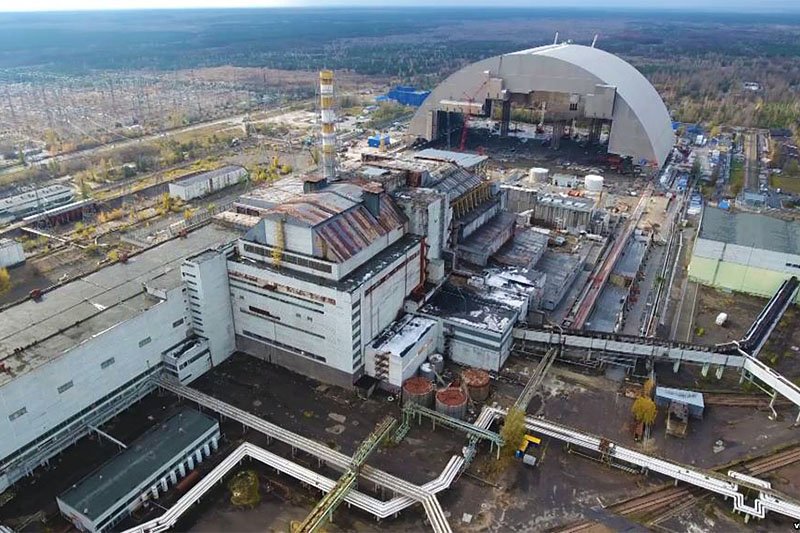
pixel 745 252
pixel 158 459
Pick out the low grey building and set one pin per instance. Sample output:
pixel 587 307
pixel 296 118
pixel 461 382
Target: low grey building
pixel 143 471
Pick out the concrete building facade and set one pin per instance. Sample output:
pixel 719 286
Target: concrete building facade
pixel 745 252
pixel 204 183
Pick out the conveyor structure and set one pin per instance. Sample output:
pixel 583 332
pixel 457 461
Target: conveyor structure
pixel 324 509
pixel 409 493
pixel 740 488
pixel 413 410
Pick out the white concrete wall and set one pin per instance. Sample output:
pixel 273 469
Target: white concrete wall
pixel 11 253
pixel 382 302
pixel 200 188
pixel 318 319
pixel 303 321
pixel 37 390
pixel 212 313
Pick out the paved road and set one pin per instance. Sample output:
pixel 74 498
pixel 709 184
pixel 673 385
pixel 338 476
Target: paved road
pixel 751 161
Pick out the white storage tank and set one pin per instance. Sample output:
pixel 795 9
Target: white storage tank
pixel 593 183
pixel 538 175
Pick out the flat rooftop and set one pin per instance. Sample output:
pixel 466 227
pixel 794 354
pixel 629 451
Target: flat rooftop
pixel 461 159
pixel 524 249
pixel 631 259
pixel 273 194
pixel 466 305
pixel 146 456
pixel 751 229
pixel 403 334
pixel 84 307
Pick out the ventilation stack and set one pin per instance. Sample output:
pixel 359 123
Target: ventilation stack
pixel 328 117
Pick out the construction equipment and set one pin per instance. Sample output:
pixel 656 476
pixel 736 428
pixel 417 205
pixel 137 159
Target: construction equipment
pixel 324 509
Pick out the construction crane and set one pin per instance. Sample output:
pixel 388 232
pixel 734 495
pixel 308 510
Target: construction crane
pixel 324 509
pixel 468 115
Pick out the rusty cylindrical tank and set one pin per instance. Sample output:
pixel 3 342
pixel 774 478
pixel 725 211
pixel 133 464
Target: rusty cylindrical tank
pixel 418 390
pixel 478 383
pixel 452 402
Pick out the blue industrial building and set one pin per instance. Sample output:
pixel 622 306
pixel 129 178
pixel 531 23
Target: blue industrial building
pixel 407 95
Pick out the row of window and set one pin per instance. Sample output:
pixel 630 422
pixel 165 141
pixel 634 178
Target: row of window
pixel 290 259
pixel 306 296
pixel 318 311
pixel 266 315
pixel 45 436
pixel 61 389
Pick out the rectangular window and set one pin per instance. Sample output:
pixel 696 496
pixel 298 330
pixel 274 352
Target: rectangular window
pixel 65 387
pixel 573 107
pixel 144 342
pixel 177 323
pixel 107 363
pixel 16 414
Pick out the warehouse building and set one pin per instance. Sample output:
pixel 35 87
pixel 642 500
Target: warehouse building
pixel 141 472
pixel 201 184
pixel 32 202
pixel 87 349
pixel 745 252
pixel 476 323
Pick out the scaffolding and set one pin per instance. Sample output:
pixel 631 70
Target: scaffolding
pixel 324 509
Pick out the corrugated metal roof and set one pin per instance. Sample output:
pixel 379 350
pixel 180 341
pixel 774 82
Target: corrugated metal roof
pixel 751 229
pixel 113 482
pixel 453 181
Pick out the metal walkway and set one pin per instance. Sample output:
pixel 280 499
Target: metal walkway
pixel 324 509
pixel 737 486
pixel 409 492
pixel 411 410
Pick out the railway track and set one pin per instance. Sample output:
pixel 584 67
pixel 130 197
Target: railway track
pixel 661 503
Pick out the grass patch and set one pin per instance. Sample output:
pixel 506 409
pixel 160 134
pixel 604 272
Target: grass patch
pixel 737 177
pixel 785 183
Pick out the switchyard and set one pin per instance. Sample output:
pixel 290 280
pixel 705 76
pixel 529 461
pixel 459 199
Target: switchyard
pixel 414 336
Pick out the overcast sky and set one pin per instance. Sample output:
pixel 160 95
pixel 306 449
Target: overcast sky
pixel 725 5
